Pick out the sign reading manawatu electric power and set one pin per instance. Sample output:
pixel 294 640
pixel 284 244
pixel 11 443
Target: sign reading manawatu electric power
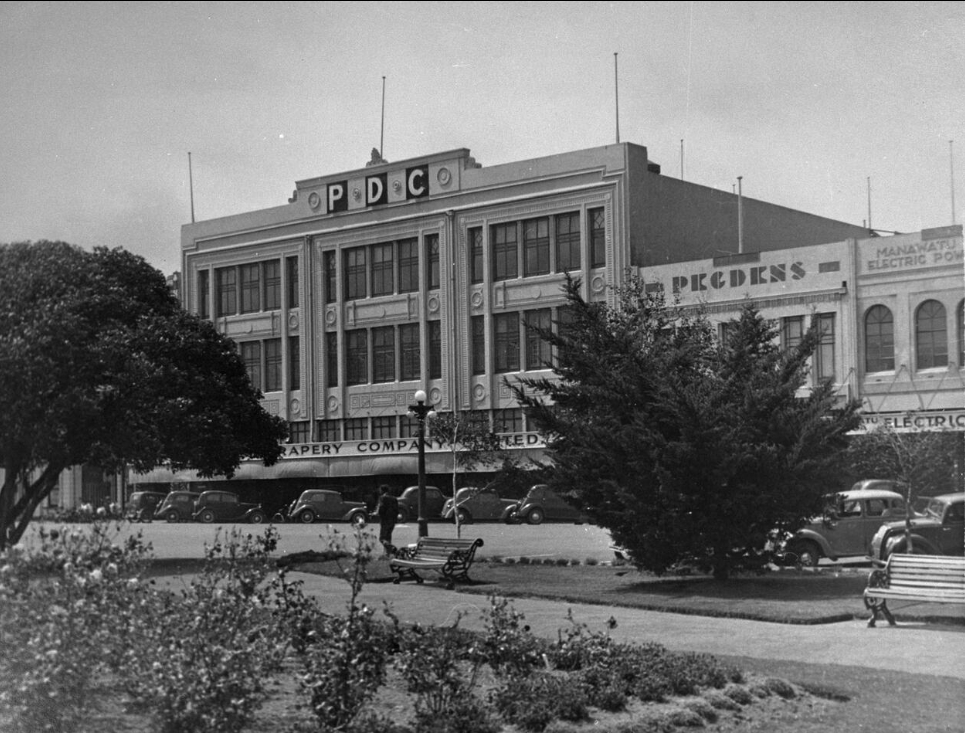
pixel 375 191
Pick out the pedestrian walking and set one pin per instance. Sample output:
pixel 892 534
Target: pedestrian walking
pixel 388 511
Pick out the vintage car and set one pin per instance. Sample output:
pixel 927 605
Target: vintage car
pixel 325 505
pixel 939 529
pixel 851 520
pixel 225 506
pixel 473 504
pixel 178 506
pixel 142 505
pixel 542 504
pixel 409 504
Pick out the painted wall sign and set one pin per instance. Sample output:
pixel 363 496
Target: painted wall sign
pixel 378 189
pixel 399 446
pixel 738 277
pixel 900 256
pixel 915 422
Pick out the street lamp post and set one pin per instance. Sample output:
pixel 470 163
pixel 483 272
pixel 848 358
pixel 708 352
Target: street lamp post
pixel 421 411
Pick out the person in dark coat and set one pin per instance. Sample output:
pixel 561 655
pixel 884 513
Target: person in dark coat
pixel 388 512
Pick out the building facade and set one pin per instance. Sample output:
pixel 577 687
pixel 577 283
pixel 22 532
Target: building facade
pixel 890 311
pixel 372 284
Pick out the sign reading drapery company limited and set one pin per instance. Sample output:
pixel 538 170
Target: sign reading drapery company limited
pixel 395 446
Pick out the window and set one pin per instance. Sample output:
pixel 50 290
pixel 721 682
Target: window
pixel 435 349
pixel 292 264
pixel 597 238
pixel 357 429
pixel 536 247
pixel 879 340
pixel 356 357
pixel 382 269
pixel 204 294
pixel 824 354
pixel 294 363
pixel 409 352
pixel 792 331
pixel 408 266
pixel 328 431
pixel 478 327
pixel 226 281
pixel 355 273
pixel 432 258
pixel 960 333
pixel 508 421
pixel 564 319
pixel 331 359
pixel 505 252
pixel 250 288
pixel 383 354
pixel 299 431
pixel 931 336
pixel 272 365
pixel 272 285
pixel 567 242
pixel 383 427
pixel 475 255
pixel 506 341
pixel 329 276
pixel 251 356
pixel 538 352
pixel 408 426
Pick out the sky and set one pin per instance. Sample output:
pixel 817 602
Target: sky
pixel 842 109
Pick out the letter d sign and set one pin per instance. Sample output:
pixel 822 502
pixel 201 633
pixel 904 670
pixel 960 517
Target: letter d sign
pixel 375 190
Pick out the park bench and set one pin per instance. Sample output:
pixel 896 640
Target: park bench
pixel 449 557
pixel 921 578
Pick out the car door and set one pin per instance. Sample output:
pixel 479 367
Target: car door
pixel 952 533
pixel 848 533
pixel 490 507
pixel 226 507
pixel 435 500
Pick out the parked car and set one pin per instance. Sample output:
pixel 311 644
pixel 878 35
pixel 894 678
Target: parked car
pixel 326 505
pixel 177 506
pixel 409 504
pixel 852 519
pixel 542 504
pixel 473 504
pixel 938 530
pixel 142 505
pixel 884 484
pixel 224 506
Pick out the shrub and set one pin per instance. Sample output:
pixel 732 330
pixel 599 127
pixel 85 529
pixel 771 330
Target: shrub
pixel 467 714
pixel 720 701
pixel 507 644
pixel 429 660
pixel 739 694
pixel 63 604
pixel 779 687
pixel 703 708
pixel 533 702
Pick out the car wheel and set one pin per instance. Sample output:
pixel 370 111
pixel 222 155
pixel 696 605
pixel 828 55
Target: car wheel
pixel 535 516
pixel 808 554
pixel 172 517
pixel 306 517
pixel 463 517
pixel 207 516
pixel 358 519
pixel 403 516
pixel 256 517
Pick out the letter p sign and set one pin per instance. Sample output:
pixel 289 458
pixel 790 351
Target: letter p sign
pixel 337 198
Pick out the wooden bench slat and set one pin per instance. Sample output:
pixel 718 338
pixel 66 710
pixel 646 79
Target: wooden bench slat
pixel 452 558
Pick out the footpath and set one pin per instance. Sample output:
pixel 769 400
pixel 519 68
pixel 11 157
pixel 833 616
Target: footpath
pixel 912 647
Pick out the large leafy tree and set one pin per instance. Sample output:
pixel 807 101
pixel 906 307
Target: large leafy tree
pixel 680 445
pixel 100 364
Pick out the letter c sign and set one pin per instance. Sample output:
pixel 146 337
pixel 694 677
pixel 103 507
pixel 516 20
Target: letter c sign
pixel 417 182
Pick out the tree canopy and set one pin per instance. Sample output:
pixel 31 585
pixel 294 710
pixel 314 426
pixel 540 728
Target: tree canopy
pixel 100 364
pixel 681 444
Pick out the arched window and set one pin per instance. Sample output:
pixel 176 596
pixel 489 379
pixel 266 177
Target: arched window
pixel 931 335
pixel 879 340
pixel 960 333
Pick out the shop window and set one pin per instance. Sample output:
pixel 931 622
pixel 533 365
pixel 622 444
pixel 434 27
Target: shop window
pixel 357 429
pixel 250 288
pixel 824 354
pixel 300 431
pixel 538 351
pixel 383 267
pixel 272 272
pixel 931 335
pixel 383 428
pixel 226 282
pixel 251 356
pixel 879 340
pixel 792 331
pixel 355 274
pixel 273 369
pixel 328 431
pixel 356 357
pixel 508 421
pixel 383 354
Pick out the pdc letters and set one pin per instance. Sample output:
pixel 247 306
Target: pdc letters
pixel 376 189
